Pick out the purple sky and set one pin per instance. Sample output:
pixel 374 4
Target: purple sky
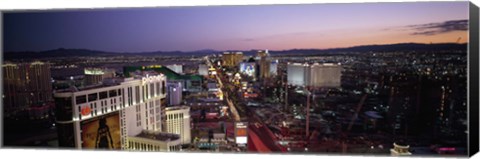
pixel 273 27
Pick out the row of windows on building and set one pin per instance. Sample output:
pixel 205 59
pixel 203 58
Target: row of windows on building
pixel 158 113
pixel 97 96
pixel 204 104
pixel 103 107
pixel 137 112
pixel 113 105
pixel 150 147
pixel 150 111
pixel 113 93
pixel 149 90
pixel 175 116
pixel 176 123
pixel 124 127
pixel 146 94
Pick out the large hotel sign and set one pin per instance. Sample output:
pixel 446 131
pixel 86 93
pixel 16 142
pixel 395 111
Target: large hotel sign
pixel 85 110
pixel 149 79
pixel 241 133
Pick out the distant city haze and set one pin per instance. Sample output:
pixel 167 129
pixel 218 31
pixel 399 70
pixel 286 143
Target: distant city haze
pixel 274 27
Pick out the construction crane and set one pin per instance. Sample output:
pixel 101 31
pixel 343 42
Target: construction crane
pixel 307 125
pixel 350 125
pixel 359 107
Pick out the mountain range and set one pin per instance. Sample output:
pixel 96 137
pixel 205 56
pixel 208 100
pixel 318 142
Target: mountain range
pixel 62 52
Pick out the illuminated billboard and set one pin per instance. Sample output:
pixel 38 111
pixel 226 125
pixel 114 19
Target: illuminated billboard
pixel 247 68
pixel 101 132
pixel 241 132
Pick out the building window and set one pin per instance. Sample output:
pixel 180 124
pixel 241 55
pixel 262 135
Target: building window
pixel 81 99
pixel 91 112
pixel 115 103
pixel 123 99
pixel 152 91
pixel 103 95
pixel 137 94
pixel 121 102
pixel 146 110
pixel 144 92
pixel 163 87
pixel 79 113
pixel 130 97
pixel 113 93
pixel 158 87
pixel 92 97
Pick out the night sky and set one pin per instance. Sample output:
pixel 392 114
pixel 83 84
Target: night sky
pixel 274 27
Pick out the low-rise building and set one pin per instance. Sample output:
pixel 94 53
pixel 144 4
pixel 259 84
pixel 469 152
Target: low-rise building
pixel 154 141
pixel 178 122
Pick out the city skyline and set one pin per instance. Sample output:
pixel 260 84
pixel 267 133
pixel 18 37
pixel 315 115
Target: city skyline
pixel 312 26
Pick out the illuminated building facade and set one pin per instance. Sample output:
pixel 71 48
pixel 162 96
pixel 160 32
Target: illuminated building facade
pixel 178 122
pixel 203 69
pixel 174 94
pixel 97 75
pixel 176 68
pixel 323 75
pixel 24 85
pixel 248 68
pixel 264 64
pixel 231 59
pixel 316 75
pixel 296 74
pixel 103 116
pixel 274 68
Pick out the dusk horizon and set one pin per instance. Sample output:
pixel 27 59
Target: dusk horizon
pixel 227 50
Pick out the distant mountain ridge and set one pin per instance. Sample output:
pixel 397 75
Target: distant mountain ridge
pixel 61 52
pixel 405 47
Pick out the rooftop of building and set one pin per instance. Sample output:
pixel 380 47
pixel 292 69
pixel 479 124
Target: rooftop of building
pixel 106 83
pixel 8 63
pixel 97 71
pixel 314 64
pixel 263 53
pixel 146 73
pixel 401 144
pixel 171 75
pixel 233 53
pixel 177 107
pixel 160 136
